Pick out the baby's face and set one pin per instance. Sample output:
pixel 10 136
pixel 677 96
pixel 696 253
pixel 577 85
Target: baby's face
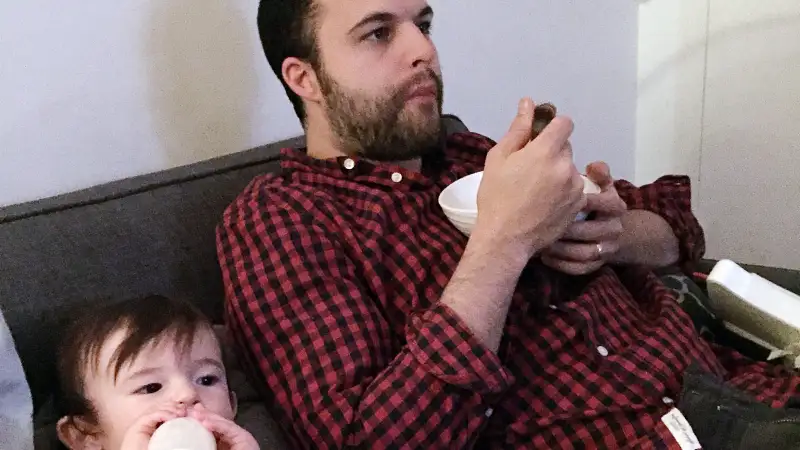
pixel 161 375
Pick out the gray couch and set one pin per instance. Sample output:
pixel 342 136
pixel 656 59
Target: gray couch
pixel 151 234
pixel 148 234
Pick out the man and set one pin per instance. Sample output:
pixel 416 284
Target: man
pixel 371 321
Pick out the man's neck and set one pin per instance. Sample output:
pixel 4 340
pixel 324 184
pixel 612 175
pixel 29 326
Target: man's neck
pixel 321 145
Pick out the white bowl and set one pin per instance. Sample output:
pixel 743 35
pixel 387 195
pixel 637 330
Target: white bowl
pixel 459 201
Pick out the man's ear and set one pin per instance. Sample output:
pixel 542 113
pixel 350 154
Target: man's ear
pixel 301 78
pixel 234 403
pixel 77 434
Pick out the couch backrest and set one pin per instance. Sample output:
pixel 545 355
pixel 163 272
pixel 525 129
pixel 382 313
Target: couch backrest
pixel 152 234
pixel 149 234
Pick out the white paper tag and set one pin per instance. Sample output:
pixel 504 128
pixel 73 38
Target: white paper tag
pixel 681 430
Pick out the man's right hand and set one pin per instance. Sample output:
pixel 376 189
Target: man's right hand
pixel 530 193
pixel 531 190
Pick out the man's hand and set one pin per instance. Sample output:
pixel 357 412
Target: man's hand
pixel 229 435
pixel 531 190
pixel 530 193
pixel 586 246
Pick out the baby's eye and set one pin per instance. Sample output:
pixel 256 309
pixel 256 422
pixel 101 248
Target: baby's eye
pixel 150 388
pixel 208 380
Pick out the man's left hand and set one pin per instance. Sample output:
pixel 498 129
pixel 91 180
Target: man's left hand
pixel 588 245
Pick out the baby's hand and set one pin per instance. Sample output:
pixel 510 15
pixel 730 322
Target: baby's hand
pixel 229 435
pixel 139 434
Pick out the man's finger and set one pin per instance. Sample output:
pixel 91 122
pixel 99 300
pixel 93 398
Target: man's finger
pixel 571 267
pixel 593 230
pixel 574 251
pixel 600 173
pixel 519 133
pixel 568 150
pixel 606 203
pixel 556 135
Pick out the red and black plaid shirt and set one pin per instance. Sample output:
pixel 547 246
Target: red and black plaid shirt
pixel 333 270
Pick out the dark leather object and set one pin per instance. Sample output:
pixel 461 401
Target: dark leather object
pixel 726 419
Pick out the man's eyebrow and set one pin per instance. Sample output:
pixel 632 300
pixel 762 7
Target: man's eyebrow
pixel 384 17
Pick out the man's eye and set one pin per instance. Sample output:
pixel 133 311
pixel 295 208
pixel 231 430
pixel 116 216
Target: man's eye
pixel 208 380
pixel 381 34
pixel 425 27
pixel 151 388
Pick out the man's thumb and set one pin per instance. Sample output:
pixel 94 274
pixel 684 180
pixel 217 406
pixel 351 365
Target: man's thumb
pixel 519 134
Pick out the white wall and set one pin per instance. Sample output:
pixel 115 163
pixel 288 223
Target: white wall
pixel 751 129
pixel 99 90
pixel 671 74
pixel 719 99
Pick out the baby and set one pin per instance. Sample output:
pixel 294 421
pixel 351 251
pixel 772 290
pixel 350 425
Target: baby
pixel 128 367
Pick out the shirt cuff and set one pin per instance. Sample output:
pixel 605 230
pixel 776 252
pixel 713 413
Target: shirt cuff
pixel 446 349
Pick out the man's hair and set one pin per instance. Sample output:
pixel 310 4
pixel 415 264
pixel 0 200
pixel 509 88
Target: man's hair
pixel 287 29
pixel 144 321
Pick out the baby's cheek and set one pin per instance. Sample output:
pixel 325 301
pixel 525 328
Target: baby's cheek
pixel 220 401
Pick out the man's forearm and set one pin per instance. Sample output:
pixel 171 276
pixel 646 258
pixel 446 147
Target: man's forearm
pixel 481 288
pixel 647 240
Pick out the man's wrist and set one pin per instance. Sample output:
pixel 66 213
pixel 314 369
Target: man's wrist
pixel 494 245
pixel 647 240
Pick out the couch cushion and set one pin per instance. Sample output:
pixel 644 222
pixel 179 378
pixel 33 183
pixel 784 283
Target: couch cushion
pixel 150 234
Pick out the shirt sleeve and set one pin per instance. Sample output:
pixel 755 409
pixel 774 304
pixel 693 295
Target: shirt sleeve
pixel 16 406
pixel 335 371
pixel 671 198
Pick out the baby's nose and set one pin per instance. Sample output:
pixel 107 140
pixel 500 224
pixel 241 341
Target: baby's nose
pixel 185 394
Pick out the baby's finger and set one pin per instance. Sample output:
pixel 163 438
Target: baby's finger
pixel 148 423
pixel 227 432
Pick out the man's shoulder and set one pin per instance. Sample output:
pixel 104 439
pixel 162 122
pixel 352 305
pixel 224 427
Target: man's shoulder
pixel 270 193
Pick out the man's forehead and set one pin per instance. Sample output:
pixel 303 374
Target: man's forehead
pixel 349 12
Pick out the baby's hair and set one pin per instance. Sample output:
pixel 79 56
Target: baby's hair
pixel 145 321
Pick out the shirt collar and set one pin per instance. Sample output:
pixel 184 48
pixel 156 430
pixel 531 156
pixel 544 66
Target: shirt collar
pixel 459 155
pixel 362 170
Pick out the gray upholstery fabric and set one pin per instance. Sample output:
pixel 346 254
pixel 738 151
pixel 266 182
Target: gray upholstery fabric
pixel 152 234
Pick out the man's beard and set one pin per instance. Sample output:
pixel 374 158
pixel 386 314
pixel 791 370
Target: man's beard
pixel 382 129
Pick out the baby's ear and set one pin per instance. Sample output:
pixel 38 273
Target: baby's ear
pixel 234 402
pixel 77 434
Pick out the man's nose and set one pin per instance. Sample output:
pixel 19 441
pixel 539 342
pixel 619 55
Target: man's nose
pixel 421 50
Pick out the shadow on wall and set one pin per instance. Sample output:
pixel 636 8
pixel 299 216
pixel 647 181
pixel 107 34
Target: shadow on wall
pixel 754 26
pixel 201 78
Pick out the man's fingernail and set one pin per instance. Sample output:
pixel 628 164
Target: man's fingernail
pixel 523 105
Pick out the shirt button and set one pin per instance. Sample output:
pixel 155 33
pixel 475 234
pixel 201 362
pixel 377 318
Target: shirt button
pixel 667 401
pixel 489 412
pixel 602 351
pixel 349 164
pixel 397 177
pixel 553 307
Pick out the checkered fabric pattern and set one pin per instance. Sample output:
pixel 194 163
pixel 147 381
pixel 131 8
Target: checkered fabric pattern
pixel 333 270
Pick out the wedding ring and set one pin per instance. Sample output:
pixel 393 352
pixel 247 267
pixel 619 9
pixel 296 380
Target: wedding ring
pixel 599 250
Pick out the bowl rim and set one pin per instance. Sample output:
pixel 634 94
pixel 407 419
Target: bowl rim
pixel 458 210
